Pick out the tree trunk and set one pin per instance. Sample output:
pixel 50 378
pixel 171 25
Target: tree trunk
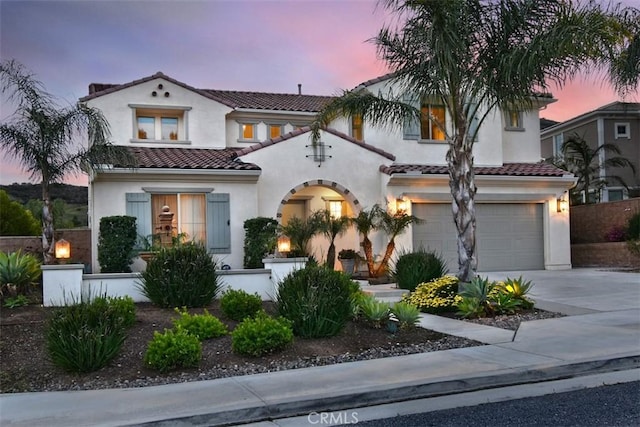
pixel 331 256
pixel 48 244
pixel 463 191
pixel 368 254
pixel 387 256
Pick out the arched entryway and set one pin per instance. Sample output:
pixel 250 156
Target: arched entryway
pixel 308 197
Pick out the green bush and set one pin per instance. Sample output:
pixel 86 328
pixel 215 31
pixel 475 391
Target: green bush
pixel 407 314
pixel 470 308
pixel 17 301
pixel 173 349
pixel 374 311
pixel 317 300
pixel 633 227
pixel 125 308
pixel 262 334
pixel 15 219
pixel 259 240
pixel 418 267
pixel 238 304
pixel 181 276
pixel 115 243
pixel 19 270
pixel 85 336
pixel 437 296
pixel 202 326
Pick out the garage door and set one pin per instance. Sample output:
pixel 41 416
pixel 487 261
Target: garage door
pixel 508 236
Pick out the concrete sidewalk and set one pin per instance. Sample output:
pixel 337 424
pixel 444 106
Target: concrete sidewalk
pixel 601 334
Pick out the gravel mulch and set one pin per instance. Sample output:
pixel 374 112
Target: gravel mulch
pixel 25 366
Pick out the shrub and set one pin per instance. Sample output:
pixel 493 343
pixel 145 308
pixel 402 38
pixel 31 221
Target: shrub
pixel 407 314
pixel 418 267
pixel 115 243
pixel 616 234
pixel 238 304
pixel 633 234
pixel 202 326
pixel 518 289
pixel 470 308
pixel 437 296
pixel 317 300
pixel 17 301
pixel 173 349
pixel 502 303
pixel 259 240
pixel 181 276
pixel 85 336
pixel 261 334
pixel 19 270
pixel 374 311
pixel 125 308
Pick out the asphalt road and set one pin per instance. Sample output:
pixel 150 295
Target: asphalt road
pixel 614 405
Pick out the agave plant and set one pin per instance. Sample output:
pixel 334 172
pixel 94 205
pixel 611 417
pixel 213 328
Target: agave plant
pixel 18 271
pixel 517 289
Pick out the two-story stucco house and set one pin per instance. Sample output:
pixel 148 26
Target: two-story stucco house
pixel 618 124
pixel 218 158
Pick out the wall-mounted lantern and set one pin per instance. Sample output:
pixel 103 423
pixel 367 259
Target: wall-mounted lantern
pixel 562 203
pixel 401 206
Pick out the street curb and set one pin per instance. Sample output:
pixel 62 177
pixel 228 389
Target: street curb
pixel 349 399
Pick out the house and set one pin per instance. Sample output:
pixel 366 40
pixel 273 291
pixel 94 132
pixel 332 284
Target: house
pixel 617 123
pixel 217 158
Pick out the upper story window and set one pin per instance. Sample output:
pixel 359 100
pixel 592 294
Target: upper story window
pixel 558 141
pixel 513 120
pixel 432 121
pixel 248 131
pixel 622 130
pixel 356 127
pixel 275 130
pixel 160 123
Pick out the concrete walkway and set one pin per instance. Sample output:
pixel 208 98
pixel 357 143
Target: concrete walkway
pixel 601 334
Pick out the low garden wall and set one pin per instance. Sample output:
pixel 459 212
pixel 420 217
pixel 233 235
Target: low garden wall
pixel 591 229
pixel 79 238
pixel 62 284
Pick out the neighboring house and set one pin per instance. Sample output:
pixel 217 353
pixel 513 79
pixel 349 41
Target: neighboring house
pixel 218 158
pixel 616 123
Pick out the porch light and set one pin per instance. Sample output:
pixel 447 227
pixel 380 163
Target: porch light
pixel 401 206
pixel 62 249
pixel 562 203
pixel 284 244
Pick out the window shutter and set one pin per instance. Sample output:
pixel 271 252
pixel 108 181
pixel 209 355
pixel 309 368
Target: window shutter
pixel 139 206
pixel 218 223
pixel 411 128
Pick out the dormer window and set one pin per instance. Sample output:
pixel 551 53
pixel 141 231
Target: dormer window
pixel 160 124
pixel 248 132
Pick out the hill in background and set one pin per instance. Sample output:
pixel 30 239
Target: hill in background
pixel 71 194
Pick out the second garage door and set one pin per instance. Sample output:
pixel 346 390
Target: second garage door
pixel 509 236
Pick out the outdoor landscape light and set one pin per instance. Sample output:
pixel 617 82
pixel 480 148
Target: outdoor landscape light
pixel 284 244
pixel 63 249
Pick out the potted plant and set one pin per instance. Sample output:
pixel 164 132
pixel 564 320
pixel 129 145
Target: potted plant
pixel 348 258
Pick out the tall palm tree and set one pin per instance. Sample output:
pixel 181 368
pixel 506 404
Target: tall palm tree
pixel 44 138
pixel 584 163
pixel 475 56
pixel 332 227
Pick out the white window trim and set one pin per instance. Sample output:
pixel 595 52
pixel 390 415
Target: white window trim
pixel 272 125
pixel 507 118
pixel 183 122
pixel 351 129
pixel 626 134
pixel 254 123
pixel 557 151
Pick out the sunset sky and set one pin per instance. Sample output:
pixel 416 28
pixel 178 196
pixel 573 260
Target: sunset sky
pixel 266 46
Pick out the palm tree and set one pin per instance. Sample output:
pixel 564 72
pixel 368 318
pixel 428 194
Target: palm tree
pixel 44 138
pixel 474 57
pixel 366 222
pixel 332 227
pixel 300 231
pixel 393 224
pixel 584 163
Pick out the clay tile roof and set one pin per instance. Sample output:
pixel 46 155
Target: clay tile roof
pixel 270 101
pixel 306 129
pixel 508 169
pixel 188 158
